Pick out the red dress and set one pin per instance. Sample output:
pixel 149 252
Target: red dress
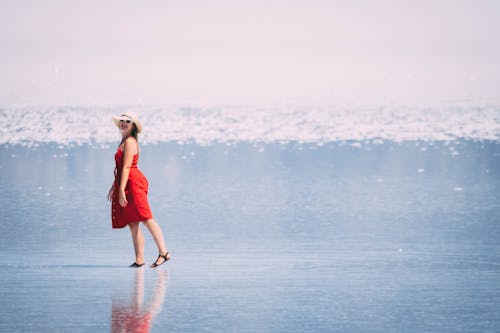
pixel 136 191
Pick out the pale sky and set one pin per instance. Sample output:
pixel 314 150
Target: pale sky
pixel 306 52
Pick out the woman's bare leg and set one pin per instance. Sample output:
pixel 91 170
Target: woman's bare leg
pixel 157 234
pixel 138 240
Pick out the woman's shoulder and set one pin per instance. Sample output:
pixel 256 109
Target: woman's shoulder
pixel 130 140
pixel 131 143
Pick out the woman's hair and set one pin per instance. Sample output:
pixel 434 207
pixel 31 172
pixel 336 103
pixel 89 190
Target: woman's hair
pixel 134 133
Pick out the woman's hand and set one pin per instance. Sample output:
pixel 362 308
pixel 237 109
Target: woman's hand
pixel 110 193
pixel 122 198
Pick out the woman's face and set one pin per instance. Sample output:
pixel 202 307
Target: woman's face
pixel 126 126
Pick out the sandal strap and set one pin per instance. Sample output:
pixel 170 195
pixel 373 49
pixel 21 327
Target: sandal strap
pixel 164 256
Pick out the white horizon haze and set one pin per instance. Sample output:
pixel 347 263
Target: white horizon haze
pixel 248 52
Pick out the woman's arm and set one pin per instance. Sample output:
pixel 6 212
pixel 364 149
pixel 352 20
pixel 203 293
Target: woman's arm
pixel 129 150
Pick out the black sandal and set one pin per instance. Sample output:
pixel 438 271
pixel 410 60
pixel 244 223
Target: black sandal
pixel 136 265
pixel 165 259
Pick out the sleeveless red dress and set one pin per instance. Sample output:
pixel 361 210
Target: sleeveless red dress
pixel 136 191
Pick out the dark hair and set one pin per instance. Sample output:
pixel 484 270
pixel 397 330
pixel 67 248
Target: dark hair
pixel 134 133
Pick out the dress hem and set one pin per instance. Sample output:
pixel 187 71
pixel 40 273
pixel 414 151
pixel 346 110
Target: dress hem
pixel 141 220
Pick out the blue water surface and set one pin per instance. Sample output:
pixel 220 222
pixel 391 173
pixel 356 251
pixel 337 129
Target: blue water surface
pixel 340 237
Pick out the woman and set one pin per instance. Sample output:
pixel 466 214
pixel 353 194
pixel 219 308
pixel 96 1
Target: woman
pixel 128 194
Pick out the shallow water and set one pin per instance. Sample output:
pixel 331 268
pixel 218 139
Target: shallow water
pixel 348 236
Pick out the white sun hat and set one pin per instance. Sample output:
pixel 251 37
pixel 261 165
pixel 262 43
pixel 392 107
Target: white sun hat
pixel 128 116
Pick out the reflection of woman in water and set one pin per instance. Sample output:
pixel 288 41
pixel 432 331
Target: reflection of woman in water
pixel 133 315
pixel 128 194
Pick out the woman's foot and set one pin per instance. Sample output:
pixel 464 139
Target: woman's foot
pixel 136 265
pixel 162 258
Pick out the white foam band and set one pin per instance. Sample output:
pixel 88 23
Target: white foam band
pixel 67 126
